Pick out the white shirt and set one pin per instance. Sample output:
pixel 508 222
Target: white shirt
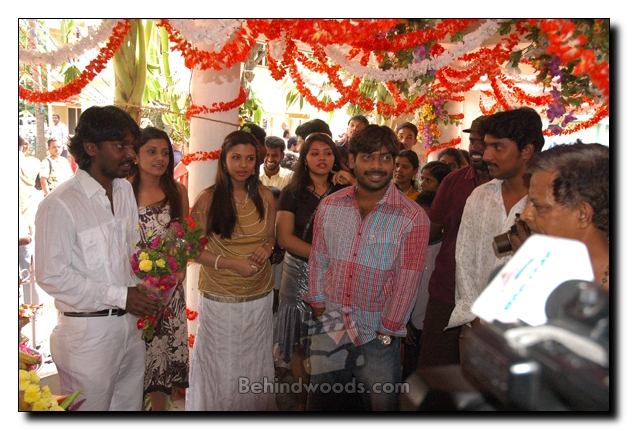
pixel 279 180
pixel 59 131
pixel 484 217
pixel 84 250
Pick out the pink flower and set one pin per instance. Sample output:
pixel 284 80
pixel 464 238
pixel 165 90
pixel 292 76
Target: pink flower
pixel 173 264
pixel 155 243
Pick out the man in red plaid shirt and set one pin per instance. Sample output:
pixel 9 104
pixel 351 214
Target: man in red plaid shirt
pixel 369 247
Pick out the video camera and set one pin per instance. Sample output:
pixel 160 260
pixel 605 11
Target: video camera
pixel 543 341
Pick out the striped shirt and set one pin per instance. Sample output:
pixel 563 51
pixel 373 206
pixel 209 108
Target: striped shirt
pixel 365 273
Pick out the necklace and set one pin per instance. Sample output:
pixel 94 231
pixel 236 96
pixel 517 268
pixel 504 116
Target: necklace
pixel 240 202
pixel 605 278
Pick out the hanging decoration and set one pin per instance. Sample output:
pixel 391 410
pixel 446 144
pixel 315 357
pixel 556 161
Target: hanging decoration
pixel 570 55
pixel 217 106
pixel 91 71
pixel 71 51
pixel 200 156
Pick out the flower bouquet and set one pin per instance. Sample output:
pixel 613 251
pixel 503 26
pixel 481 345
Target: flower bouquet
pixel 158 265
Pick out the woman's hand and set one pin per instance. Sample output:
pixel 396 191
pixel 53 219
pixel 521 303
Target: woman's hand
pixel 246 268
pixel 343 178
pixel 261 254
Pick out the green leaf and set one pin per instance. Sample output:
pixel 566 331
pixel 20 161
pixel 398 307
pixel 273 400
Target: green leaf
pixel 71 74
pixel 68 401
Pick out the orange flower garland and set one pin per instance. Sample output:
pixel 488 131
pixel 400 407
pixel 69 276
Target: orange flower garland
pixel 95 66
pixel 233 52
pixel 200 156
pixel 450 144
pixel 191 339
pixel 217 106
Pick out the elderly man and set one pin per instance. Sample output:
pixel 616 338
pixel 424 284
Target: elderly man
pixel 569 197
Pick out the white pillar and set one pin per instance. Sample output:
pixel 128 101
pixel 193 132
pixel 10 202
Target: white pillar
pixel 207 134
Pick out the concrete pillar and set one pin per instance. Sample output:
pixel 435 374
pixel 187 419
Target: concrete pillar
pixel 207 133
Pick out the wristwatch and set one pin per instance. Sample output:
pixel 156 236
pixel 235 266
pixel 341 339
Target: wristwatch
pixel 385 339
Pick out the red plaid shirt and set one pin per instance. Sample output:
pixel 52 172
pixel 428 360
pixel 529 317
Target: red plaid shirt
pixel 365 273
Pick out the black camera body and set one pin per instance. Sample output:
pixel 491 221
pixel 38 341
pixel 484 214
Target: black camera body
pixel 556 372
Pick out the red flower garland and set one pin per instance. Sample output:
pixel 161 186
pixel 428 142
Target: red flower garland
pixel 95 66
pixel 233 52
pixel 200 156
pixel 217 106
pixel 191 339
pixel 450 144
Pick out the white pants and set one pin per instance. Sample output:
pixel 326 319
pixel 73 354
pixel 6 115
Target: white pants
pixel 104 357
pixel 233 346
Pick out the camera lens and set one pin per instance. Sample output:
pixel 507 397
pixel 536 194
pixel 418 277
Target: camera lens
pixel 501 243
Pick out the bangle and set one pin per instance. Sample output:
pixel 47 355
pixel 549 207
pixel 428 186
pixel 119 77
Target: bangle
pixel 216 262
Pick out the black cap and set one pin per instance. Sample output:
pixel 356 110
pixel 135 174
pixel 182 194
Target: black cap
pixel 475 125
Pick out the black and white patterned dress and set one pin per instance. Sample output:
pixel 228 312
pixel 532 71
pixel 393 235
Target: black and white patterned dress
pixel 167 355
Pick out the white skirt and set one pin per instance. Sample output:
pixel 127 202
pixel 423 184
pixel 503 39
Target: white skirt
pixel 232 350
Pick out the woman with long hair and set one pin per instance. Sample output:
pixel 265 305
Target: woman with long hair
pixel 234 338
pixel 160 200
pixel 311 182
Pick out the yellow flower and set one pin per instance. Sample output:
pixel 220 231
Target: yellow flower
pixel 25 380
pixel 149 233
pixel 41 405
pixel 34 376
pixel 32 393
pixel 143 256
pixel 161 263
pixel 146 265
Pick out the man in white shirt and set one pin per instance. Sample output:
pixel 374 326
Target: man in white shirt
pixel 271 173
pixel 511 138
pixel 86 232
pixel 58 130
pixel 55 169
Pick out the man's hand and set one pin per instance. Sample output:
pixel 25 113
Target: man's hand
pixel 523 233
pixel 317 313
pixel 140 305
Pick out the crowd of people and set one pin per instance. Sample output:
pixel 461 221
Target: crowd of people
pixel 346 262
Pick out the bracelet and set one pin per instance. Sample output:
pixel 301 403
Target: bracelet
pixel 216 262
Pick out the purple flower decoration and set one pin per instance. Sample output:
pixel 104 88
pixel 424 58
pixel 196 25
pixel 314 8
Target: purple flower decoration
pixel 555 129
pixel 568 119
pixel 419 53
pixel 555 110
pixel 554 66
pixel 555 94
